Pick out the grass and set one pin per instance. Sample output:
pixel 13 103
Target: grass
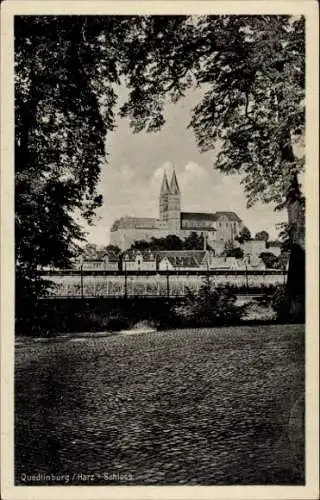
pixel 200 406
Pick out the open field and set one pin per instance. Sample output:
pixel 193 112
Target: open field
pixel 202 406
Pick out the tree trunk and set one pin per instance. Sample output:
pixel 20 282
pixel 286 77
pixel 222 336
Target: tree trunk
pixel 296 271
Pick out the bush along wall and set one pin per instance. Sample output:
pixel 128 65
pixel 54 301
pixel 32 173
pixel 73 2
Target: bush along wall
pixel 209 307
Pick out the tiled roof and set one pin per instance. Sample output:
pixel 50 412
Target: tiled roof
pixel 198 216
pixel 231 216
pixel 223 262
pixel 131 255
pixel 195 255
pixel 135 223
pixel 100 255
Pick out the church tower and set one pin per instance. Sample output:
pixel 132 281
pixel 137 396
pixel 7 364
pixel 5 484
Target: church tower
pixel 174 211
pixel 164 198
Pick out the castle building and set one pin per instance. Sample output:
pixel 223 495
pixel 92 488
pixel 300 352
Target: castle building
pixel 217 228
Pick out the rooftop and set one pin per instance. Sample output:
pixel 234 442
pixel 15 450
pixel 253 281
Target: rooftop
pixel 198 216
pixel 230 215
pixel 131 255
pixel 179 257
pixel 134 223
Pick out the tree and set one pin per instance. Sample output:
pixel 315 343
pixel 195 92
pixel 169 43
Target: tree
pixel 193 242
pixel 262 236
pixel 252 72
pixel 234 252
pixel 113 249
pixel 230 250
pixel 170 242
pixel 65 71
pixel 270 260
pixel 60 128
pixel 90 250
pixel 244 235
pixel 210 306
pixel 141 245
pixel 173 242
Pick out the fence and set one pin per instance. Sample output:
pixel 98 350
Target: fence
pixel 84 284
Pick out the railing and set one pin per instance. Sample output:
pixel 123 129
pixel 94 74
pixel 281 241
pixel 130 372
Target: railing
pixel 156 284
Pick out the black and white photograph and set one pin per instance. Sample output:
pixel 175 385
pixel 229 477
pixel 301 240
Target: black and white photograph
pixel 160 264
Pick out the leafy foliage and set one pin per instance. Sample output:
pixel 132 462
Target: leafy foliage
pixel 65 73
pixel 171 242
pixel 244 235
pixel 234 252
pixel 113 249
pixel 209 307
pixel 270 260
pixel 251 70
pixel 194 242
pixel 230 250
pixel 262 236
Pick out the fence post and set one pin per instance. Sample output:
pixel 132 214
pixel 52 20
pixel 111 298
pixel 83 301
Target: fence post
pixel 125 280
pixel 81 280
pixel 247 283
pixel 168 284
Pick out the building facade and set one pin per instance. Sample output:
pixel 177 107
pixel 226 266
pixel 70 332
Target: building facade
pixel 217 228
pixel 101 261
pixel 135 260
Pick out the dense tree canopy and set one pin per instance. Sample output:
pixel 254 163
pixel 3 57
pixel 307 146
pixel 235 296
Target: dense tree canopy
pixel 244 235
pixel 65 72
pixel 171 242
pixel 270 260
pixel 236 252
pixel 262 236
pixel 251 69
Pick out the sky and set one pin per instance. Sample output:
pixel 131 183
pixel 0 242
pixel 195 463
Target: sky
pixel 131 177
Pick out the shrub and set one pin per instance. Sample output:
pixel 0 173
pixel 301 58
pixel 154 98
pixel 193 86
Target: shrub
pixel 210 306
pixel 270 260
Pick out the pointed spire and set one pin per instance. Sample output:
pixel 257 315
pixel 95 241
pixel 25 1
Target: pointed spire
pixel 164 185
pixel 174 188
